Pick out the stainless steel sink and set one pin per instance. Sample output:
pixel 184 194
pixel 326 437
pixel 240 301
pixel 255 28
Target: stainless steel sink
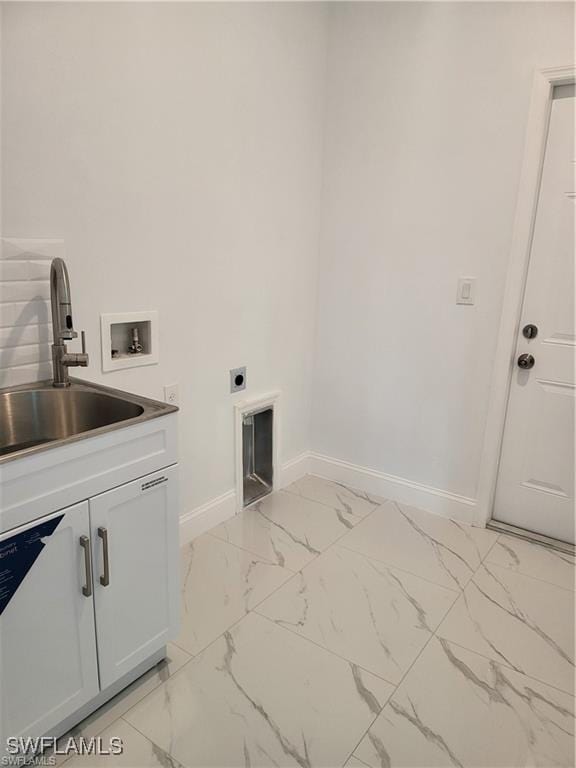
pixel 35 417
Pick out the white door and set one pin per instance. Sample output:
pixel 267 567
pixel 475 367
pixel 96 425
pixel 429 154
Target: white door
pixel 48 663
pixel 135 553
pixel 535 488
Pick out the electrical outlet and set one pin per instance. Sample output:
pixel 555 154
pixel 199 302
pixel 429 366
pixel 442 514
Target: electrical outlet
pixel 237 379
pixel 171 394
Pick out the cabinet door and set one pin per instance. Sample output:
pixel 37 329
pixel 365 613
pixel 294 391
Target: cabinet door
pixel 48 662
pixel 135 552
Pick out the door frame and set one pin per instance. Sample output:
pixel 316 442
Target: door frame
pixel 544 82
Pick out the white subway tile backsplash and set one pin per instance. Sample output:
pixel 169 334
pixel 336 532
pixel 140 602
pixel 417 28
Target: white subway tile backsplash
pixel 31 249
pixel 24 290
pixel 25 322
pixel 25 334
pixel 24 312
pixel 24 270
pixel 12 357
pixel 25 374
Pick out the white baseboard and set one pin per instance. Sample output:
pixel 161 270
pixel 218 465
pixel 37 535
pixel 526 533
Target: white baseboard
pixel 294 469
pixel 207 516
pixel 223 507
pixel 431 499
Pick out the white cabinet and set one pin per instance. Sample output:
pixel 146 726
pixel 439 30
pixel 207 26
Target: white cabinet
pixel 134 531
pixel 48 662
pixel 70 627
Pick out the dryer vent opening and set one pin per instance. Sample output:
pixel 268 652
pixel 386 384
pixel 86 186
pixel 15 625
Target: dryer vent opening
pixel 257 454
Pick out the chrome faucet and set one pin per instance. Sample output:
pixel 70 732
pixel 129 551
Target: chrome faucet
pixel 62 326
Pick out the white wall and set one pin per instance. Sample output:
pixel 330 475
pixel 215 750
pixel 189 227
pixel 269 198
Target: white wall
pixel 176 150
pixel 426 112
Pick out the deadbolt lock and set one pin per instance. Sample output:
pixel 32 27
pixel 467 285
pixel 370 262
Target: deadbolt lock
pixel 530 331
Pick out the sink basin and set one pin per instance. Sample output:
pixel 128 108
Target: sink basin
pixel 35 417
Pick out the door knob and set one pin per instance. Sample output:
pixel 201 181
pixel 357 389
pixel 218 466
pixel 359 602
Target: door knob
pixel 530 331
pixel 526 362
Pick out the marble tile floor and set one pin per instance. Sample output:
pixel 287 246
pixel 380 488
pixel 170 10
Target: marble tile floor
pixel 327 627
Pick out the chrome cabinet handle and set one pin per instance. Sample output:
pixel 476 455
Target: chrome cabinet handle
pixel 85 544
pixel 105 578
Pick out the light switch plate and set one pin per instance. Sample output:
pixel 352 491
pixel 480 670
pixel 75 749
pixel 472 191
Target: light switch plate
pixel 466 290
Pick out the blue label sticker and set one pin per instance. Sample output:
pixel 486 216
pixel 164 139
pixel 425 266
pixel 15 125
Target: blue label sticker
pixel 18 554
